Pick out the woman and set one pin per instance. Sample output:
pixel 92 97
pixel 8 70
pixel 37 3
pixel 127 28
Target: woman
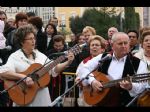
pixel 88 32
pixel 50 31
pixel 20 60
pixel 41 38
pixel 80 38
pixel 145 44
pixel 97 46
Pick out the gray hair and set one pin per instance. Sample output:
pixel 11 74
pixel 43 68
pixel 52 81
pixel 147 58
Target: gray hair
pixel 116 35
pixel 21 33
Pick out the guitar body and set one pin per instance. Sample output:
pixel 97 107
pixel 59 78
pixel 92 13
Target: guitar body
pixel 109 96
pixel 23 95
pixel 144 99
pixel 96 97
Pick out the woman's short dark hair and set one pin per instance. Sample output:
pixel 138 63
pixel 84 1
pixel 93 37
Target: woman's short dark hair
pixel 59 38
pixel 36 21
pixel 20 16
pixel 22 32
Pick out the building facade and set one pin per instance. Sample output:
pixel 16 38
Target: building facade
pixel 64 13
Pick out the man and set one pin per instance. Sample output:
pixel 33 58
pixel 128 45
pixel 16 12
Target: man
pixel 57 84
pixel 54 21
pixel 110 33
pixel 134 44
pixel 3 16
pixel 121 64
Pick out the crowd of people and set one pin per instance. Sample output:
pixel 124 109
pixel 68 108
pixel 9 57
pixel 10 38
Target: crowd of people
pixel 25 45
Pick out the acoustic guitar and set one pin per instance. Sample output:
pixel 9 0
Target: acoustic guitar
pixel 98 97
pixel 20 93
pixel 144 99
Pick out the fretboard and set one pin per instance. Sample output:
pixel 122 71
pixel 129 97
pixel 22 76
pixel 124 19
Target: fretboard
pixel 51 65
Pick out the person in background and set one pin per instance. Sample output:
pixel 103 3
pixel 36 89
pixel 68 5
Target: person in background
pixel 4 99
pixel 8 28
pixel 87 31
pixel 73 40
pixel 54 21
pixel 145 44
pixel 3 16
pixel 2 38
pixel 110 33
pixel 80 39
pixel 11 22
pixel 50 31
pixel 23 58
pixel 30 14
pixel 134 43
pixel 20 20
pixel 97 46
pixel 3 47
pixel 57 84
pixel 41 38
pixel 118 66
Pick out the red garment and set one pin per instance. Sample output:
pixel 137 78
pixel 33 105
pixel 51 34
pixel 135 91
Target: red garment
pixel 87 59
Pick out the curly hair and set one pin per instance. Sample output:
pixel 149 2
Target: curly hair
pixel 22 32
pixel 89 29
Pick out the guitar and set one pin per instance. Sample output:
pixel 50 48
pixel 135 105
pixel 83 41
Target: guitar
pixel 23 95
pixel 97 98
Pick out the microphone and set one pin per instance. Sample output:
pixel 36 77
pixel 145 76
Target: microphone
pixel 60 53
pixel 107 57
pixel 66 52
pixel 83 45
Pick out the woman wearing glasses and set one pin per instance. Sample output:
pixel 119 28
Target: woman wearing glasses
pixel 22 59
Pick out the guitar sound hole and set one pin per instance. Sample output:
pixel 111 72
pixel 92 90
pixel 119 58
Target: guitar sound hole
pixel 35 77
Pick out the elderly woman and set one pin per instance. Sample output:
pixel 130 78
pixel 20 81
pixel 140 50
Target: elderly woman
pixel 145 43
pixel 97 46
pixel 22 59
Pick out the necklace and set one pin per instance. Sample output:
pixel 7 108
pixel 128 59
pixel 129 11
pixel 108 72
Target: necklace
pixel 33 54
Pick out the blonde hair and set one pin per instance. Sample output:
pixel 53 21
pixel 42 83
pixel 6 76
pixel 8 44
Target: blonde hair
pixel 99 38
pixel 144 34
pixel 89 28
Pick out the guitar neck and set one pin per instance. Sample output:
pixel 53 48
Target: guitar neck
pixel 76 49
pixel 135 78
pixel 51 65
pixel 115 82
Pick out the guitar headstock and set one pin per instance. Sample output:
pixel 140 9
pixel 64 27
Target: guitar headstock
pixel 76 49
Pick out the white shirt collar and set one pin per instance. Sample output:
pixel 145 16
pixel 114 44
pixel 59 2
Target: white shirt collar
pixel 121 59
